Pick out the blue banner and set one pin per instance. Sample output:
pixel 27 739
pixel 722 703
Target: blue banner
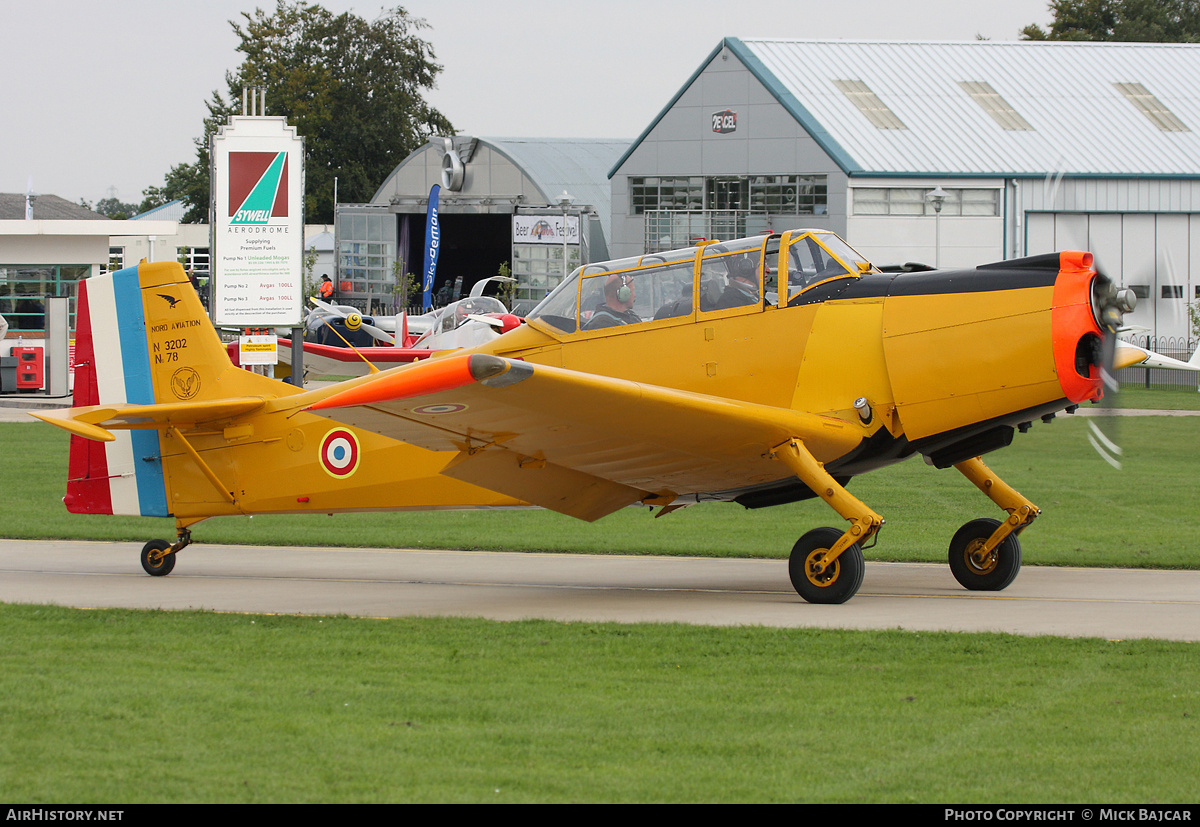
pixel 433 235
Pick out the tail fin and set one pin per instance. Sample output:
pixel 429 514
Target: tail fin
pixel 142 338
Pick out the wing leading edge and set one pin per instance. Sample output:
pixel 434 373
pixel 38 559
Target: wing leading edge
pixel 579 443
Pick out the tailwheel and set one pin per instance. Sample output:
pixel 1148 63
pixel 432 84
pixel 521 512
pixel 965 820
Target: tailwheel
pixel 157 558
pixel 984 572
pixel 836 584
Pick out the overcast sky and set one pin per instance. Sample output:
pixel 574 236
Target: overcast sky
pixel 100 99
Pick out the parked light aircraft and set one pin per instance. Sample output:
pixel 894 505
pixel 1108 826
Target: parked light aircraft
pixel 760 371
pixel 470 321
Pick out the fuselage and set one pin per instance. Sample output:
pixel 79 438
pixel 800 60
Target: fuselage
pixel 947 362
pixel 943 363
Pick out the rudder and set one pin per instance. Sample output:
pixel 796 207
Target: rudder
pixel 142 337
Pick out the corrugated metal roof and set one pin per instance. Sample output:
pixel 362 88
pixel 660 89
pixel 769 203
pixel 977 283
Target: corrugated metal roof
pixel 1081 122
pixel 12 207
pixel 578 165
pixel 170 211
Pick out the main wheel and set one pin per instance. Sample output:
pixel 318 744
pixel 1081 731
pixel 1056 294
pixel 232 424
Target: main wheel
pixel 979 572
pixel 836 584
pixel 154 561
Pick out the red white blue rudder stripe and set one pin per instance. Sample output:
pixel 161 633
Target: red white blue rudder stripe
pixel 124 476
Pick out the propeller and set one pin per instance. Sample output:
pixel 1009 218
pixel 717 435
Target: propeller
pixel 353 320
pixel 1109 304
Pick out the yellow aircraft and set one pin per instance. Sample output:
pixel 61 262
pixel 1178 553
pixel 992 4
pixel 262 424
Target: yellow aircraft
pixel 760 371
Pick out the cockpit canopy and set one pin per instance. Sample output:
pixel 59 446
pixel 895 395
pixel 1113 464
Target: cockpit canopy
pixel 719 278
pixel 456 314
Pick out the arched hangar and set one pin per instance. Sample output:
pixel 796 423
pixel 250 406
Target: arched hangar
pixel 501 202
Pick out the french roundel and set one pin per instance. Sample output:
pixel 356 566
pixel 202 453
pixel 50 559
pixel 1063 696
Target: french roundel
pixel 340 453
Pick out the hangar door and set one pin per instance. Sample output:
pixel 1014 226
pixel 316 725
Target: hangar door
pixel 1156 254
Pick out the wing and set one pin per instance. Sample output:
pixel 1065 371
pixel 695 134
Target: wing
pixel 1129 355
pixel 579 443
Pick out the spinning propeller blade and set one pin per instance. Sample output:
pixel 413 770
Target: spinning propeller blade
pixel 1109 304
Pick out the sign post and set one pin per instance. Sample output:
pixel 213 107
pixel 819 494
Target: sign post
pixel 257 221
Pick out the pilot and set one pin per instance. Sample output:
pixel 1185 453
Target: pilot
pixel 467 306
pixel 681 306
pixel 617 309
pixel 743 284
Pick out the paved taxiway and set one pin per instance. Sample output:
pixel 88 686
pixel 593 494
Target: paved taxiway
pixel 1106 603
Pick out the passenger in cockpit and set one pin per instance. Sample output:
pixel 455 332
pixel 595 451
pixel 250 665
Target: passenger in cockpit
pixel 742 288
pixel 681 306
pixel 617 309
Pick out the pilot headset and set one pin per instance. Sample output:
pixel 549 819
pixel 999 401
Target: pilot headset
pixel 624 292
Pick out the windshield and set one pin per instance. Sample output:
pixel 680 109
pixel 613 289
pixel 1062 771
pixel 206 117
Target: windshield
pixel 454 315
pixel 623 291
pixel 817 257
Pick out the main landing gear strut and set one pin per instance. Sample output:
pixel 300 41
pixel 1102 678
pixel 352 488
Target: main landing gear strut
pixel 985 554
pixel 826 564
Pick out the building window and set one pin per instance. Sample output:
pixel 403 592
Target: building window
pixel 116 260
pixel 1172 291
pixel 366 253
pixel 991 102
pixel 538 269
pixel 1150 106
pixel 788 194
pixel 767 194
pixel 25 288
pixel 194 259
pixel 660 193
pixel 868 103
pixel 913 201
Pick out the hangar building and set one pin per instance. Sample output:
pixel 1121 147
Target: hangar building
pixel 501 202
pixel 1033 147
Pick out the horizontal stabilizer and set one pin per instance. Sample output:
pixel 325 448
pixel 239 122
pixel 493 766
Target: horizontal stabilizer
pixel 96 422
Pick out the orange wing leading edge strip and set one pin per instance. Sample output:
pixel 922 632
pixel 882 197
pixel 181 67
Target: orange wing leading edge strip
pixel 420 379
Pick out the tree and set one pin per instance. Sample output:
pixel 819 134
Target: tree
pixel 115 208
pixel 1128 21
pixel 352 88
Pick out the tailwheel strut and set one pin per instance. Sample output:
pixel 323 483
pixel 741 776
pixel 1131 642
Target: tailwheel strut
pixel 158 556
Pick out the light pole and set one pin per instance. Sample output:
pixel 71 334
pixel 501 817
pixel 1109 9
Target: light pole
pixel 937 198
pixel 564 202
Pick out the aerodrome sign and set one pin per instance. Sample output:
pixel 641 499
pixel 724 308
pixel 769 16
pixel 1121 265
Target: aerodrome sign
pixel 257 223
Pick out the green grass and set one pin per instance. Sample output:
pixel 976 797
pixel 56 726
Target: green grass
pixel 124 707
pixel 1144 516
pixel 128 707
pixel 1158 398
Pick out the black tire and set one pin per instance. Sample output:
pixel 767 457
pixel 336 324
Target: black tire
pixel 155 563
pixel 839 582
pixel 992 574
